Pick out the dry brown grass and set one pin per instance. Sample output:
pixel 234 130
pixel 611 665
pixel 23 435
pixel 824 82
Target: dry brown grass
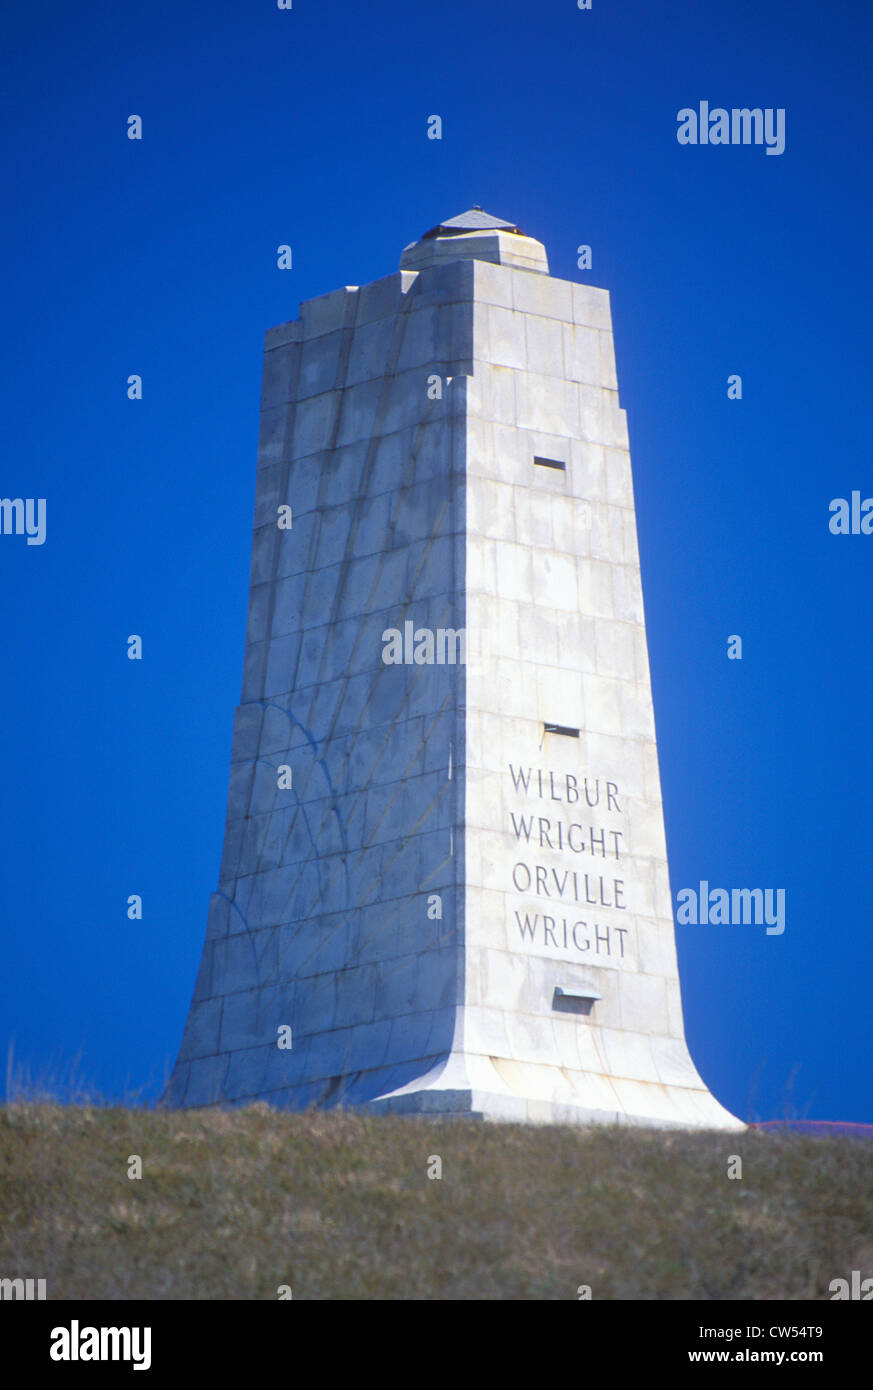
pixel 234 1203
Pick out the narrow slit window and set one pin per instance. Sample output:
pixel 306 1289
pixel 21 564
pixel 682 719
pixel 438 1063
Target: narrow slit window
pixel 549 463
pixel 563 729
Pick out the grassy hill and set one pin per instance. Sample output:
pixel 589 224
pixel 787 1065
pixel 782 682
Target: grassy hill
pixel 233 1204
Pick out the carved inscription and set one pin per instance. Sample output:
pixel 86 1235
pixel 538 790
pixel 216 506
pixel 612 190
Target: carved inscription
pixel 567 878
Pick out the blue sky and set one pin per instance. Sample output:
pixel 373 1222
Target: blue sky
pixel 158 257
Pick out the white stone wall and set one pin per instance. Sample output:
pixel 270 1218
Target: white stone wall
pixel 556 635
pixel 320 920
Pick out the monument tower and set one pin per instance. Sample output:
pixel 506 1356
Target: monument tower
pixel 444 886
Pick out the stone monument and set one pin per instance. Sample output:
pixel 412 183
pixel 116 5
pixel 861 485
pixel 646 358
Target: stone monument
pixel 444 886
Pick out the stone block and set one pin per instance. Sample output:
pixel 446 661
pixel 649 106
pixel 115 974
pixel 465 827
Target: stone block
pixel 370 353
pixel 543 295
pixel 280 376
pixel 314 423
pixel 326 313
pixel 319 365
pixel 206 1077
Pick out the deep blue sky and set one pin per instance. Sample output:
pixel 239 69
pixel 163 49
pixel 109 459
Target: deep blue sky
pixel 159 257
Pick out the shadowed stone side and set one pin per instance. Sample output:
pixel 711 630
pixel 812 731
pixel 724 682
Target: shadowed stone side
pixel 320 917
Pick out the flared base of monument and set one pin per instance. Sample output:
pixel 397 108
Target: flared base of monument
pixel 451 1091
pixel 666 1090
pixel 498 1109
